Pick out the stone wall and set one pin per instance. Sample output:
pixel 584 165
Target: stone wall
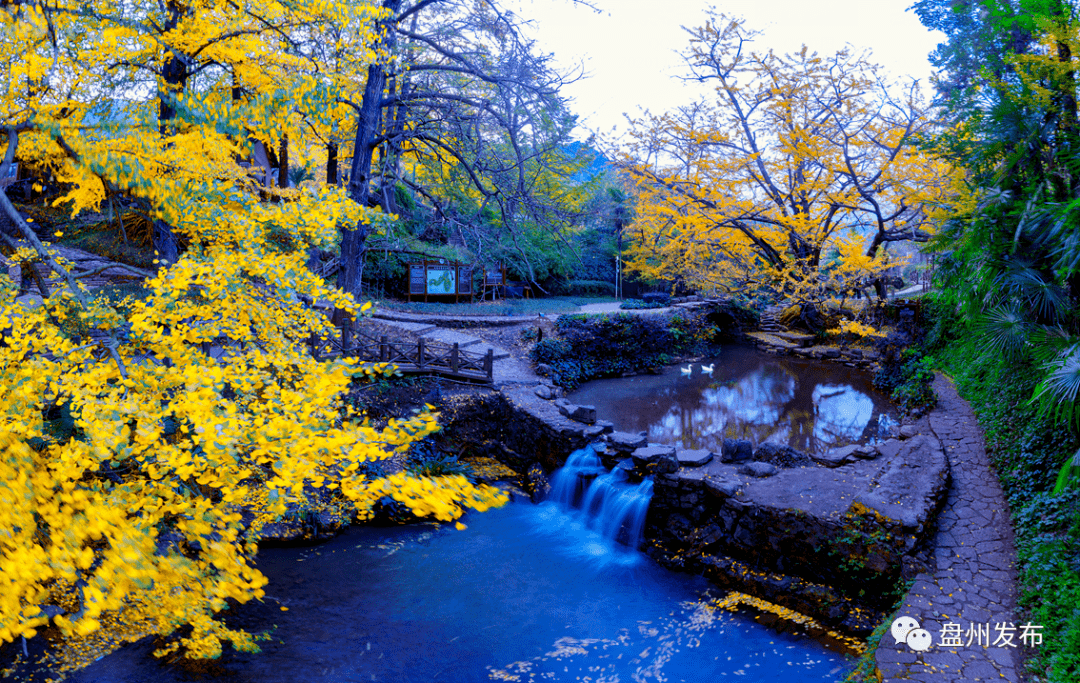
pixel 827 535
pixel 830 542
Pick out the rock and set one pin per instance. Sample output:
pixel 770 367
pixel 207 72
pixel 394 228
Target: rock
pixel 583 414
pixel 831 353
pixel 837 456
pixel 736 451
pixel 666 465
pixel 911 486
pixel 593 432
pixel 650 454
pixel 625 442
pixel 626 464
pixel 543 369
pixel 562 402
pixel 759 469
pixel 608 427
pixel 866 451
pixel 781 456
pixel 536 483
pixel 545 392
pixel 723 487
pixel 695 458
pixel 908 431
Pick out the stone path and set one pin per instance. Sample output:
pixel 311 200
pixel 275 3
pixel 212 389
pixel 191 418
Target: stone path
pixel 972 581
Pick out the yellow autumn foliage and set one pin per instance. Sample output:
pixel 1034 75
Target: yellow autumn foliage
pixel 790 180
pixel 136 469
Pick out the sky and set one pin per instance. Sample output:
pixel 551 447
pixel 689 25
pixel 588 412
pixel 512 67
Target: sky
pixel 629 49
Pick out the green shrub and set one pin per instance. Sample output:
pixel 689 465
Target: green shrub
pixel 640 304
pixel 588 288
pixel 908 381
pixel 600 346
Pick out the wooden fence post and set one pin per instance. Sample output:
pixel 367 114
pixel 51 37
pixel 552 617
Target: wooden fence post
pixel 420 353
pixel 346 338
pixel 384 350
pixel 454 358
pixel 489 361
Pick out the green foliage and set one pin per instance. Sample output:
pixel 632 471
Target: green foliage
pixel 426 460
pixel 588 288
pixel 908 381
pixel 640 304
pixel 600 346
pixel 1027 449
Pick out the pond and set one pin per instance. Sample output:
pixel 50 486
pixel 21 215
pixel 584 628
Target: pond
pixel 810 405
pixel 527 593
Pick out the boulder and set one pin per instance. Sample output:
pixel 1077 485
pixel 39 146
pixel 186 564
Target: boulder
pixel 545 392
pixel 607 427
pixel 738 450
pixel 908 431
pixel 781 456
pixel 536 482
pixel 583 414
pixel 695 458
pixel 543 369
pixel 625 442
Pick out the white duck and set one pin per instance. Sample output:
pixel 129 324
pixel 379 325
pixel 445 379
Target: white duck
pixel 707 369
pixel 687 370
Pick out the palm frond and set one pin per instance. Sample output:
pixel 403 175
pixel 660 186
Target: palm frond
pixel 1056 394
pixel 1005 331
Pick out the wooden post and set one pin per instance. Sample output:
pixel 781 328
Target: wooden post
pixel 384 349
pixel 205 346
pixel 346 337
pixel 420 353
pixel 313 340
pixel 489 361
pixel 454 358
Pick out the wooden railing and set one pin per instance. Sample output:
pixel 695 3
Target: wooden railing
pixel 420 357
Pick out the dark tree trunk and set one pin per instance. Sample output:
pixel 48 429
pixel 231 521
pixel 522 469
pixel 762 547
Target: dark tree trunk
pixel 331 163
pixel 283 161
pixel 367 132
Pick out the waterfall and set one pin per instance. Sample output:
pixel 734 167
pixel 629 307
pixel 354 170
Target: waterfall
pixel 608 503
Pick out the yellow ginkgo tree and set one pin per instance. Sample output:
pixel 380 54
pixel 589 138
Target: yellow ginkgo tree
pixel 795 158
pixel 145 443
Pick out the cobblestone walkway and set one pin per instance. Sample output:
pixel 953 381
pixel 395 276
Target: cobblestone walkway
pixel 972 583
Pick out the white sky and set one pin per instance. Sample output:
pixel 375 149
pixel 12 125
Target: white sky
pixel 629 49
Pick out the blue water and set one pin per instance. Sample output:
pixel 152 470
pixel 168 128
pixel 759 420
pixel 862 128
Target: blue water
pixel 526 592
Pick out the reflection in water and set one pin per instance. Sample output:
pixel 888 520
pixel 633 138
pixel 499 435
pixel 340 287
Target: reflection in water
pixel 810 405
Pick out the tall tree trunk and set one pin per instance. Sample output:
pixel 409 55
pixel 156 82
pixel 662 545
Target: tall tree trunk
pixel 367 131
pixel 174 75
pixel 332 162
pixel 283 161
